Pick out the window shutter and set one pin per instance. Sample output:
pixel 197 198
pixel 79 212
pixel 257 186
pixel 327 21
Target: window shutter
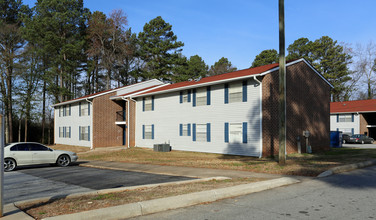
pixel 352 131
pixel 79 132
pixel 88 108
pixel 194 98
pixel 337 117
pixel 64 110
pixel 59 111
pixel 70 110
pixel 152 131
pixel 226 132
pixel 352 117
pixel 143 131
pixel 226 93
pixel 70 132
pixel 181 129
pixel 337 129
pixel 181 97
pixel 88 133
pixel 208 95
pixel 152 103
pixel 244 132
pixel 143 104
pixel 189 95
pixel 59 131
pixel 244 91
pixel 79 112
pixel 64 132
pixel 208 132
pixel 189 129
pixel 193 132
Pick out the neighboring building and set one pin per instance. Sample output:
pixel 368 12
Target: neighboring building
pixel 233 113
pixel 354 117
pixel 101 119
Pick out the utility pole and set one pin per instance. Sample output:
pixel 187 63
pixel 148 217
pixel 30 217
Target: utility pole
pixel 2 145
pixel 282 85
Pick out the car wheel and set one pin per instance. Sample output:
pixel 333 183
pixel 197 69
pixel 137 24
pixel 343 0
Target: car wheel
pixel 9 164
pixel 63 160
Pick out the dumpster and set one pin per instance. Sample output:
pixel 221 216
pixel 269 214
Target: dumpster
pixel 336 139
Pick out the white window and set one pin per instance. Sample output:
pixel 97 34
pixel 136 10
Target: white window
pixel 148 132
pixel 201 96
pixel 185 96
pixel 61 132
pixel 84 133
pixel 67 132
pixel 148 103
pixel 235 92
pixel 61 111
pixel 236 133
pixel 345 118
pixel 68 110
pixel 185 130
pixel 84 109
pixel 201 132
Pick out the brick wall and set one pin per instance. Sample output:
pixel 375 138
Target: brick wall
pixel 131 123
pixel 363 124
pixel 307 108
pixel 105 132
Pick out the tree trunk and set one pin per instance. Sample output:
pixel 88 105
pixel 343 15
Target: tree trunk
pixel 19 129
pixel 44 110
pixel 9 100
pixel 26 121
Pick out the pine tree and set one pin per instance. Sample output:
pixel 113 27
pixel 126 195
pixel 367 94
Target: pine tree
pixel 223 65
pixel 266 57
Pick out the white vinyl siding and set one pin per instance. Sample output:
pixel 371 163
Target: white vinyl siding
pixel 236 92
pixel 236 133
pixel 171 115
pixel 201 96
pixel 344 123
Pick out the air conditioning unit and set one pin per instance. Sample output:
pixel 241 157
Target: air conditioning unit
pixel 162 147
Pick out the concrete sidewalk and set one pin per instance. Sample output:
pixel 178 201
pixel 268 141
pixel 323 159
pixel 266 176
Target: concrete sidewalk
pixel 177 171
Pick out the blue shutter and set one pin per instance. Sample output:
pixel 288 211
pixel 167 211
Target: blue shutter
pixel 79 132
pixel 352 117
pixel 64 132
pixel 59 111
pixel 88 108
pixel 143 131
pixel 189 95
pixel 337 129
pixel 226 93
pixel 152 131
pixel 226 132
pixel 193 132
pixel 244 132
pixel 143 104
pixel 64 110
pixel 208 132
pixel 337 117
pixel 88 133
pixel 70 132
pixel 70 110
pixel 152 103
pixel 352 131
pixel 194 98
pixel 208 95
pixel 244 91
pixel 180 129
pixel 181 97
pixel 189 129
pixel 59 131
pixel 79 112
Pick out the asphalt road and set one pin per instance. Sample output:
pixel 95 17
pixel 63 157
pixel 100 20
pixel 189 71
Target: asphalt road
pixel 35 182
pixel 349 195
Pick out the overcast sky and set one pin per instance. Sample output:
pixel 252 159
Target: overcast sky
pixel 239 30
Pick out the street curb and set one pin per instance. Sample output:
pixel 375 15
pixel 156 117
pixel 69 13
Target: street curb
pixel 174 202
pixel 346 168
pixel 114 190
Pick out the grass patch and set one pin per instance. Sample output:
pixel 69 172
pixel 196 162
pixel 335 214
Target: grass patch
pixel 296 164
pixel 85 203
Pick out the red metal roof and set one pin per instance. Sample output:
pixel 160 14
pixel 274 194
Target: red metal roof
pixel 236 74
pixel 353 106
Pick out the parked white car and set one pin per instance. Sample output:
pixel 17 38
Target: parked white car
pixel 29 153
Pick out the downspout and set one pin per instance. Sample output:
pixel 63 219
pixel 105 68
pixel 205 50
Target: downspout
pixel 92 118
pixel 260 84
pixel 126 123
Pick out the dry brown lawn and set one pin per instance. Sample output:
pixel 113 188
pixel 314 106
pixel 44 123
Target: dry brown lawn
pixel 85 203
